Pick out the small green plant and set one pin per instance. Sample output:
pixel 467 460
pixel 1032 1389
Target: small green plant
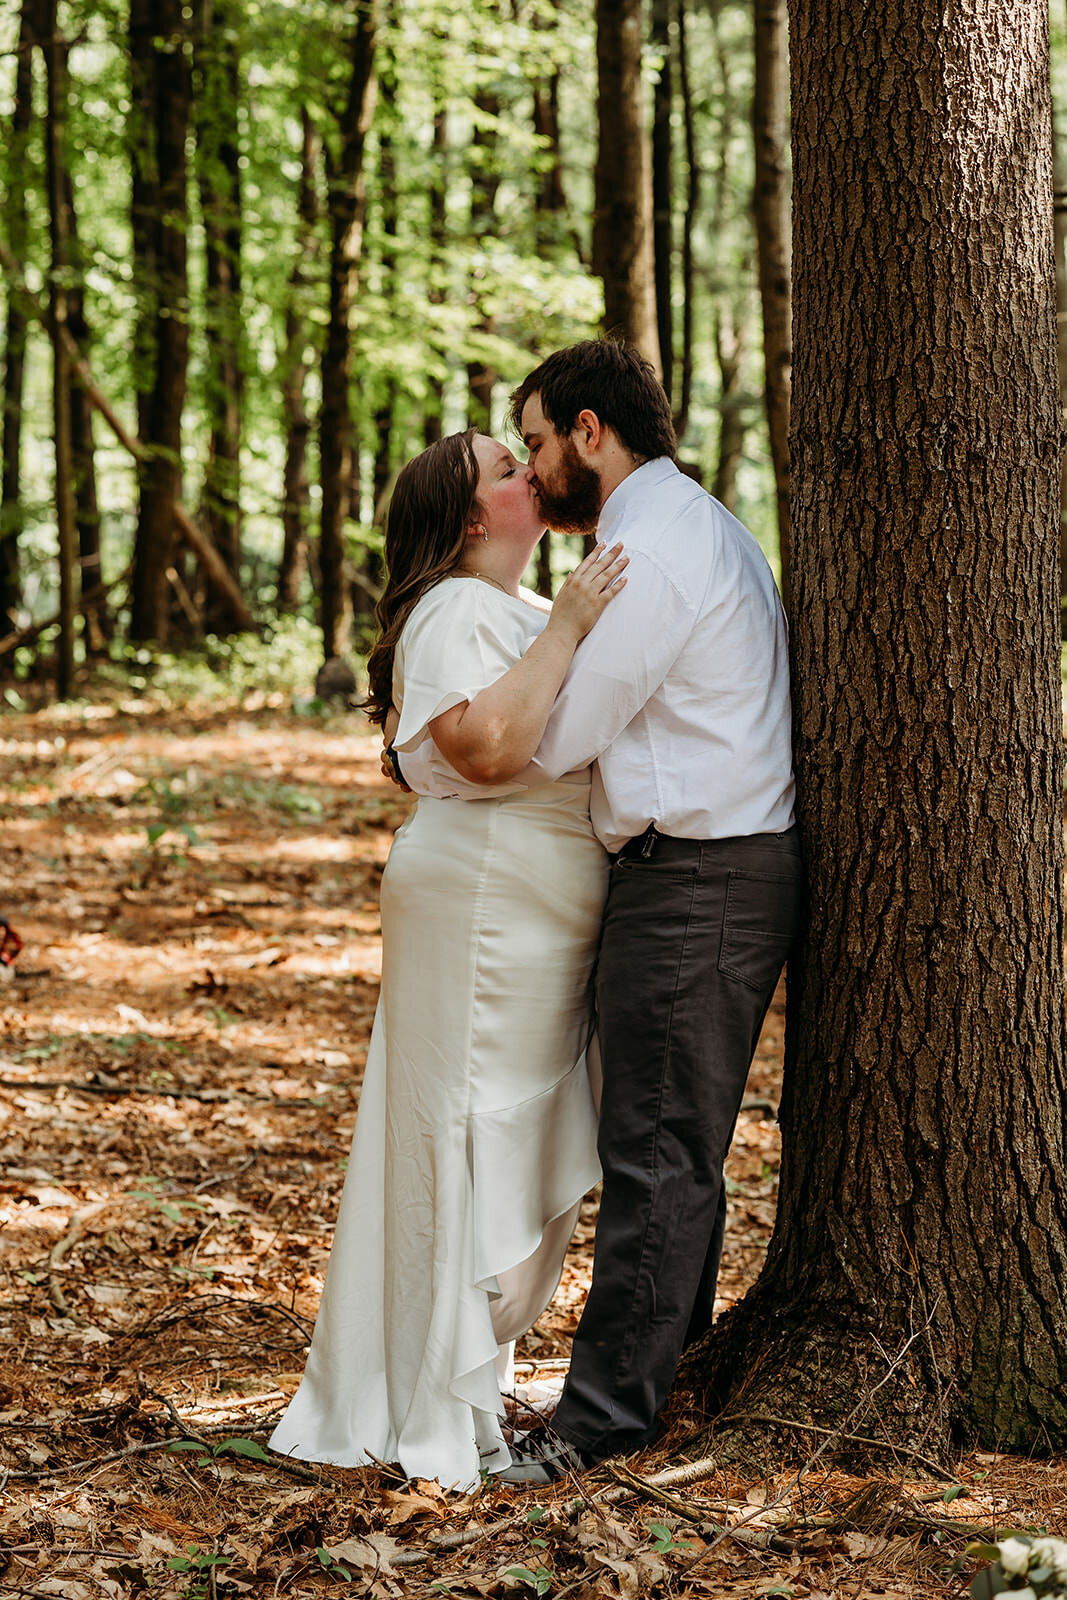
pixel 199 1565
pixel 663 1539
pixel 540 1581
pixel 330 1564
pixel 225 1447
pixel 172 1208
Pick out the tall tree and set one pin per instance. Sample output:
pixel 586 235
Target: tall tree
pixel 159 122
pixel 915 1279
pixel 217 102
pixel 692 203
pixel 622 225
pixel 55 54
pixel 96 622
pixel 485 181
pixel 347 210
pixel 770 104
pixel 437 197
pixel 15 227
pixel 663 187
pixel 296 500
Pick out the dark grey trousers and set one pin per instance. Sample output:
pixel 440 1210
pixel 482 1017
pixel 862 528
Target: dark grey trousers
pixel 693 942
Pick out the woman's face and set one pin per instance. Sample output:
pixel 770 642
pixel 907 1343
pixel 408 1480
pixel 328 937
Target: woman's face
pixel 509 508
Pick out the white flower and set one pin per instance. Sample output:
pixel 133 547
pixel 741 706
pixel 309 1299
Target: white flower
pixel 1050 1553
pixel 1029 1593
pixel 1014 1559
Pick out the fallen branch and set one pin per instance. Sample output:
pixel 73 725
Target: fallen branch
pixel 935 1467
pixel 88 597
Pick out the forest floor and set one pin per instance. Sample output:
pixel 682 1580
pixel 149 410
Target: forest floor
pixel 181 1052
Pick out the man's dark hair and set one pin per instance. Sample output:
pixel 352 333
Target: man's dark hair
pixel 610 378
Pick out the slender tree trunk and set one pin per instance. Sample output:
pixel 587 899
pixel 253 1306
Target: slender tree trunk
pixel 159 125
pixel 432 424
pixel 15 226
pixel 55 55
pixel 663 187
pixel 729 346
pixel 347 205
pixel 920 1248
pixel 385 118
pixel 485 181
pixel 769 118
pixel 296 503
pixel 97 624
pixel 692 204
pixel 622 225
pixel 217 99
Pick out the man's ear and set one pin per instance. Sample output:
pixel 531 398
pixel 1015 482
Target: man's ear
pixel 588 432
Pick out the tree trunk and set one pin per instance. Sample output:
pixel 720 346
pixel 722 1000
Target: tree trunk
pixel 217 101
pixel 347 204
pixel 55 55
pixel 729 345
pixel 662 187
pixel 296 503
pixel 159 124
pixel 385 120
pixel 97 624
pixel 921 1238
pixel 11 515
pixel 485 181
pixel 432 422
pixel 622 224
pixel 1059 171
pixel 770 104
pixel 692 202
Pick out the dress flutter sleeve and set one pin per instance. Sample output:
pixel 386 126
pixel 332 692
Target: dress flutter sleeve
pixel 455 644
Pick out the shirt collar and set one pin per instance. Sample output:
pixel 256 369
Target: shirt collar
pixel 647 476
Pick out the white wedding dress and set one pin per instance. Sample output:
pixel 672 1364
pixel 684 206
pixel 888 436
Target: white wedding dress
pixel 476 1134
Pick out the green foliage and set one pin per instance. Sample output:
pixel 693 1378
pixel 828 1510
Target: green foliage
pixel 663 1539
pixel 540 1581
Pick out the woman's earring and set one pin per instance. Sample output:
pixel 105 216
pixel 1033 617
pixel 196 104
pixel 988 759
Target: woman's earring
pixel 485 532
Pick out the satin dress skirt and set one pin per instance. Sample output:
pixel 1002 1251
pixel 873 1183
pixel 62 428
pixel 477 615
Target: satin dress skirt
pixel 475 1139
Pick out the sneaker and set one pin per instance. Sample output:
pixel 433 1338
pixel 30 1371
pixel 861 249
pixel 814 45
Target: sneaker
pixel 543 1457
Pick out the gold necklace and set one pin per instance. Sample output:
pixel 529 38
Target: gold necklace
pixel 487 579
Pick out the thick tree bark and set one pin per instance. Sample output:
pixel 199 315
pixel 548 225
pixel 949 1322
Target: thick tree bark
pixel 663 187
pixel 217 100
pixel 15 227
pixel 622 224
pixel 770 103
pixel 296 500
pixel 347 208
pixel 922 1220
pixel 159 125
pixel 55 55
pixel 1059 173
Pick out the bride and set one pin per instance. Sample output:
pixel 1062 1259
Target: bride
pixel 476 1134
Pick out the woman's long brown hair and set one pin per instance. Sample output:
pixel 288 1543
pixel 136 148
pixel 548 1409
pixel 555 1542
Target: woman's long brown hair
pixel 434 502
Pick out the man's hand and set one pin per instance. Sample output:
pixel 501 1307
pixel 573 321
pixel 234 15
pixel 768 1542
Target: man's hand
pixel 392 723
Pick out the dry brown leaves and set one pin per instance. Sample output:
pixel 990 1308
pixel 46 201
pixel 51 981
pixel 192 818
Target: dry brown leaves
pixel 180 1058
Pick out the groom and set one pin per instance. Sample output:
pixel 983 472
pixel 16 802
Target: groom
pixel 681 694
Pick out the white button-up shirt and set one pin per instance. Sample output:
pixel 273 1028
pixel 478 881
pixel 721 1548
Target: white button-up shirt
pixel 681 691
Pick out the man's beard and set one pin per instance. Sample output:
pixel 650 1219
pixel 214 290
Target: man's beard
pixel 574 506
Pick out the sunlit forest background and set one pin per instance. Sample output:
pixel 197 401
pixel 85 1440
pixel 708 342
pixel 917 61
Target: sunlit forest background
pixel 292 241
pixel 187 181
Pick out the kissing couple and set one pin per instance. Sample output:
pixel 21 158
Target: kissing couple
pixel 602 862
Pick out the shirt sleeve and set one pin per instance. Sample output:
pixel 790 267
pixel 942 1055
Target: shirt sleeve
pixel 451 648
pixel 617 667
